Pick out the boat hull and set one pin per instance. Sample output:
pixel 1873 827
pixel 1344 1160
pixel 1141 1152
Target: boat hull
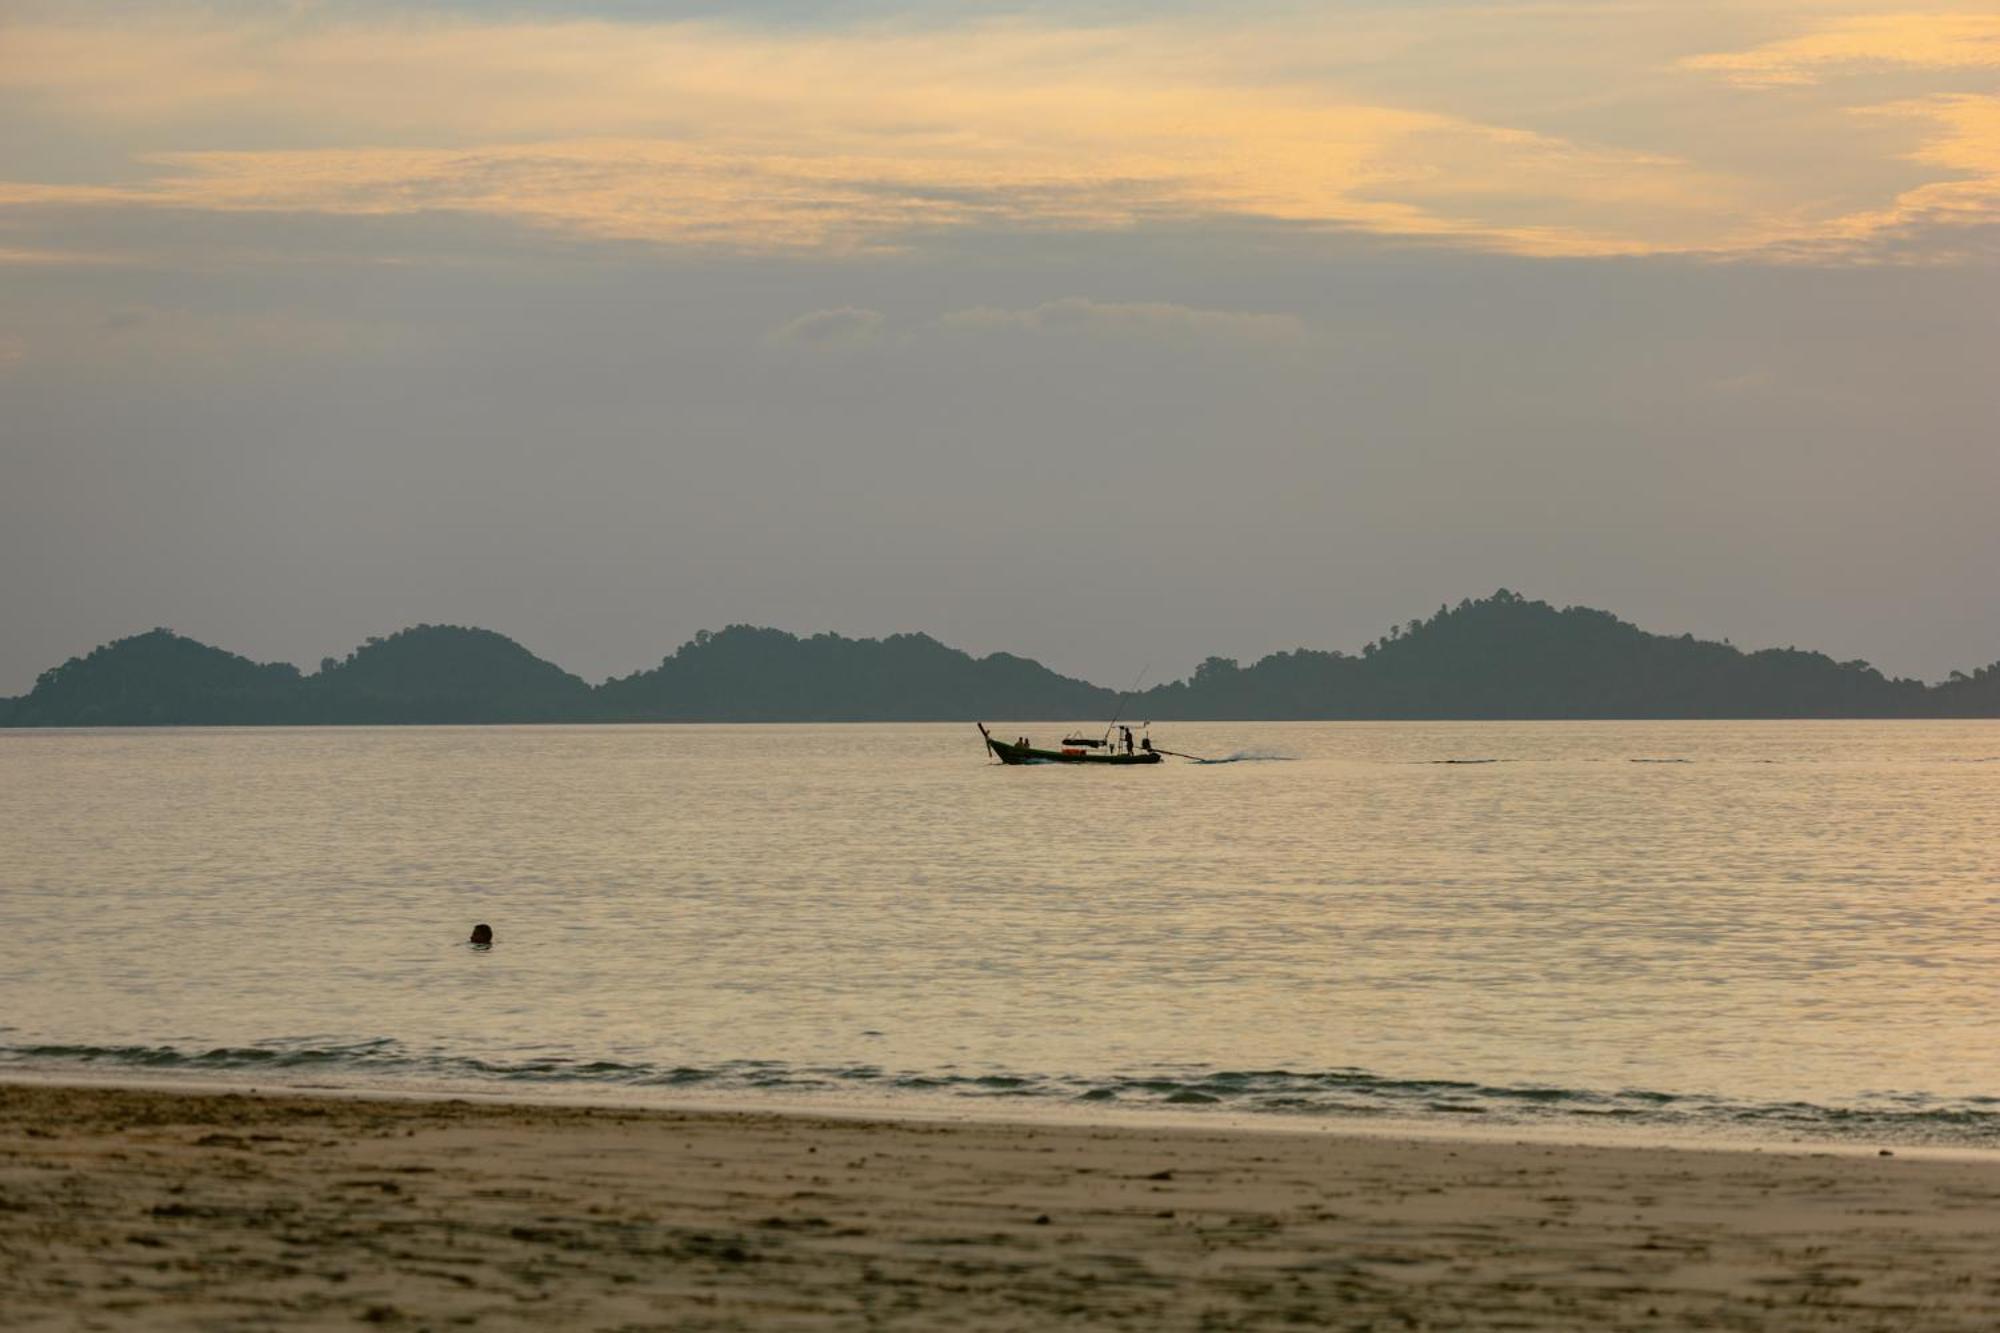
pixel 1009 753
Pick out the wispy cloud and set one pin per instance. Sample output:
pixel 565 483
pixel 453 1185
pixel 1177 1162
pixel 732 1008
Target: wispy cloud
pixel 1921 41
pixel 840 329
pixel 758 139
pixel 1951 216
pixel 51 256
pixel 1151 320
pixel 1964 140
pixel 872 138
pixel 135 339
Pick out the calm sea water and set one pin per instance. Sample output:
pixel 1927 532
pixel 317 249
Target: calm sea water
pixel 1788 929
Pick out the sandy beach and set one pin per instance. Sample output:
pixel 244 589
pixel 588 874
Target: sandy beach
pixel 150 1209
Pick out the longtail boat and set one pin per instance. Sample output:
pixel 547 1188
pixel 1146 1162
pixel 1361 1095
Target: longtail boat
pixel 1072 752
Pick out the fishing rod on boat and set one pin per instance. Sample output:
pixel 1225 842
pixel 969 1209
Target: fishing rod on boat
pixel 1137 681
pixel 1113 723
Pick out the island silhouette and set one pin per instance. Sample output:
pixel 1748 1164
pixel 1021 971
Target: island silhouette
pixel 1503 656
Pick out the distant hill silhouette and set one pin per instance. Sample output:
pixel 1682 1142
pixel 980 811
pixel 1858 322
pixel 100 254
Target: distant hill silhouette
pixel 432 673
pixel 443 673
pixel 746 674
pixel 154 679
pixel 1507 657
pixel 1500 657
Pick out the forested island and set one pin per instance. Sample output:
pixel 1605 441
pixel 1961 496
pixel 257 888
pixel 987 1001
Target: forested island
pixel 1503 656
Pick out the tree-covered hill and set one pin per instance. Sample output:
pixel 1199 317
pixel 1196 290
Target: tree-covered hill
pixel 1501 657
pixel 745 674
pixel 1976 695
pixel 1508 657
pixel 443 673
pixel 432 673
pixel 158 678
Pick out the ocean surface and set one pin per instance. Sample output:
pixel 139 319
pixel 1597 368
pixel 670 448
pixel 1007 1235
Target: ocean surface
pixel 1775 930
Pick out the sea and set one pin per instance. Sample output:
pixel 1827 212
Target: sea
pixel 1732 931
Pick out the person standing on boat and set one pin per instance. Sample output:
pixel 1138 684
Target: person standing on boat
pixel 1126 734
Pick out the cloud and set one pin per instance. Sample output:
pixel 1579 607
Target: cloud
pixel 880 136
pixel 1955 214
pixel 1334 167
pixel 1922 41
pixel 769 139
pixel 134 338
pixel 848 328
pixel 1926 222
pixel 825 330
pixel 1078 316
pixel 44 257
pixel 1750 383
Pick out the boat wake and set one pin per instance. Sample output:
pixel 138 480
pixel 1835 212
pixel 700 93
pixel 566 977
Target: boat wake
pixel 1248 757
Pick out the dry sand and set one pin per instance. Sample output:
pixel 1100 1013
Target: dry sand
pixel 144 1209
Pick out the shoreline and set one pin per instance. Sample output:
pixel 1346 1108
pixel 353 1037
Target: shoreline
pixel 146 1208
pixel 1575 1132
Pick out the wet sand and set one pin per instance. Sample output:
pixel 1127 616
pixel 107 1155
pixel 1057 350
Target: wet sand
pixel 145 1209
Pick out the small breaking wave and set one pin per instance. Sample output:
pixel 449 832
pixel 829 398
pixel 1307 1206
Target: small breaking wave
pixel 1904 1118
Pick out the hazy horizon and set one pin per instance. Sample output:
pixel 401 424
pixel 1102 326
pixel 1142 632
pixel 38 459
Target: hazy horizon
pixel 1113 336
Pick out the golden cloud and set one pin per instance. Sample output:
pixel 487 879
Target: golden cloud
pixel 1965 141
pixel 696 134
pixel 26 256
pixel 1333 167
pixel 1922 41
pixel 1958 134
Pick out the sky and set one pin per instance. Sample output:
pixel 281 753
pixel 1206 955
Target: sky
pixel 1113 335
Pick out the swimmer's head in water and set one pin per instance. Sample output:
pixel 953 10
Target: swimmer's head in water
pixel 482 934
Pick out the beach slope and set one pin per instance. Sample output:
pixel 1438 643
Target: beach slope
pixel 143 1209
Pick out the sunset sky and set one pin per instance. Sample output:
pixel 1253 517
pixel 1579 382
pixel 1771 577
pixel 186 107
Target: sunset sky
pixel 1114 335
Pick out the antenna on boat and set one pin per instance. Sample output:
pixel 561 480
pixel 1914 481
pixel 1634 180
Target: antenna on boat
pixel 1136 681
